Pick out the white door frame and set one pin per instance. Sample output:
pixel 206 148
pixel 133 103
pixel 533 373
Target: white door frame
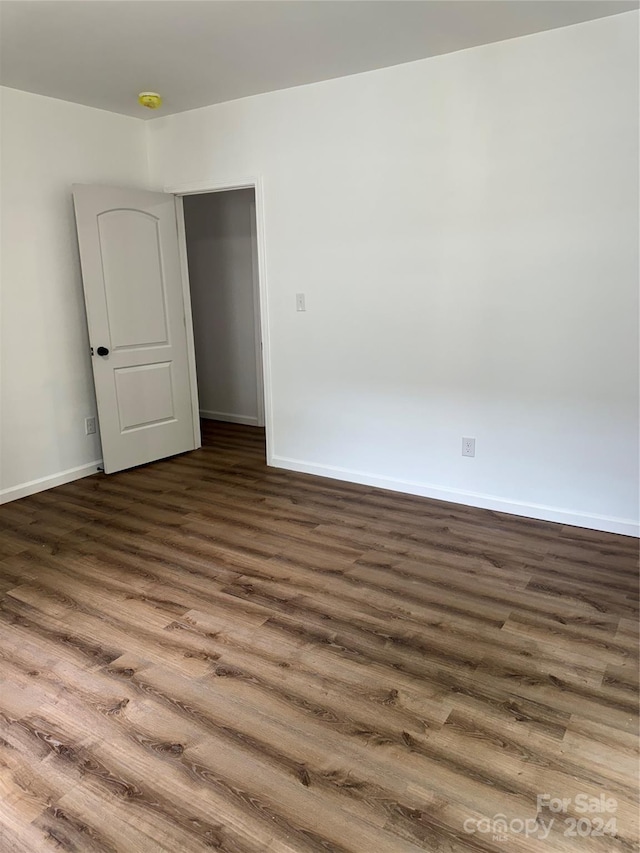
pixel 263 352
pixel 257 323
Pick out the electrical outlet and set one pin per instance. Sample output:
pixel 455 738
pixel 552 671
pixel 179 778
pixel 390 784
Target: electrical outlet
pixel 300 306
pixel 468 447
pixel 90 426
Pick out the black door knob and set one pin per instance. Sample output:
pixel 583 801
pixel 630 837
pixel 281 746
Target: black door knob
pixel 102 351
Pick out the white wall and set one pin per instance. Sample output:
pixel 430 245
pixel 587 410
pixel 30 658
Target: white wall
pixel 47 388
pixel 465 229
pixel 220 237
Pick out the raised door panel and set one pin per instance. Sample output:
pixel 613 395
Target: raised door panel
pixel 144 396
pixel 133 277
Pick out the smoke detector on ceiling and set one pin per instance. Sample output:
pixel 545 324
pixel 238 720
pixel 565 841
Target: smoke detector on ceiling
pixel 151 100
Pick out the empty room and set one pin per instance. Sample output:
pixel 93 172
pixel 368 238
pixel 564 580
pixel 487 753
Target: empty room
pixel 319 426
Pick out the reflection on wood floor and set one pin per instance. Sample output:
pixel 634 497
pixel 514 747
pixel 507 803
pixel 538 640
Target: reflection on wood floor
pixel 208 654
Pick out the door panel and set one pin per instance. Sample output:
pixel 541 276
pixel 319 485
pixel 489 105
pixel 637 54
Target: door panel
pixel 144 395
pixel 133 278
pixel 135 309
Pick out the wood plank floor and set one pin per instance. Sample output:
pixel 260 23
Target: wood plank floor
pixel 208 654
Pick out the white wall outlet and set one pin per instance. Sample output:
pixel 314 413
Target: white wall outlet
pixel 468 447
pixel 90 426
pixel 300 306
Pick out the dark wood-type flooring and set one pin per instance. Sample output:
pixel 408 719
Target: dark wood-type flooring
pixel 208 654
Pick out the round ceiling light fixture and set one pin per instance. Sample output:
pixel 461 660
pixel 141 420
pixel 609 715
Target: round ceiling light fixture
pixel 151 100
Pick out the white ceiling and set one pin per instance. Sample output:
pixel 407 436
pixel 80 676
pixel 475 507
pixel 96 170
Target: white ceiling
pixel 198 52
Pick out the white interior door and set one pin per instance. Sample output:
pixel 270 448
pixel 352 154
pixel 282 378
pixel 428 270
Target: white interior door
pixel 133 291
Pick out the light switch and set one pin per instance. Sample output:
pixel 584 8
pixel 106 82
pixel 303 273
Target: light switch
pixel 300 306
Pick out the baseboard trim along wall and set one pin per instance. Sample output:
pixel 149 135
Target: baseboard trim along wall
pixel 229 418
pixel 624 526
pixel 43 483
pixel 608 524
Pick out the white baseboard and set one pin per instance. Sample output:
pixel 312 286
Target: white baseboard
pixel 225 416
pixel 40 485
pixel 624 526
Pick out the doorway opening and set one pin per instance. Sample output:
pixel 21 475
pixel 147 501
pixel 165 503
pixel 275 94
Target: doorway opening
pixel 222 255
